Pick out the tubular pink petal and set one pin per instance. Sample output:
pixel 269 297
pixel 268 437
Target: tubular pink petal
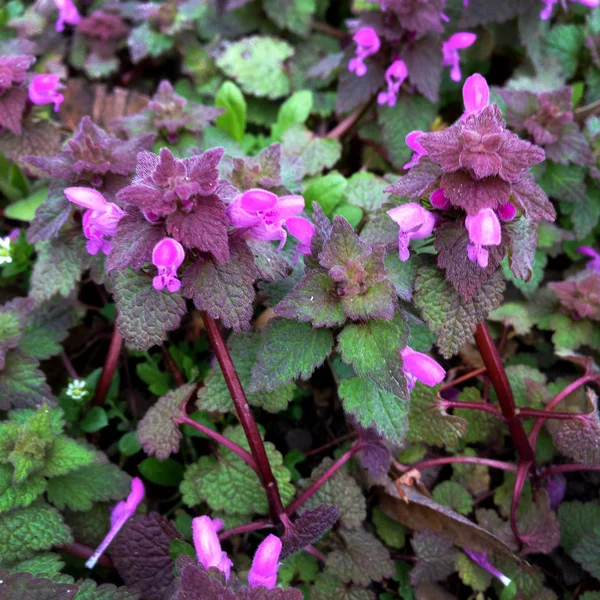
pixel 421 367
pixel 481 559
pixel 302 229
pixel 289 206
pixel 476 94
pixel 265 563
pixel 208 547
pixel 86 197
pixel 257 199
pixel 413 219
pixel 461 40
pixel 367 38
pixel 412 141
pixel 168 253
pixel 240 217
pixel 484 228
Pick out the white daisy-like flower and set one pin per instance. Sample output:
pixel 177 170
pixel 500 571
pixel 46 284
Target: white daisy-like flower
pixel 5 257
pixel 77 389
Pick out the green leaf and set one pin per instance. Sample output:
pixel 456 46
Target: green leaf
pixel 79 489
pixel 366 190
pixel 454 496
pixel 229 484
pixel 328 587
pixel 289 350
pixel 429 423
pixel 18 496
pixel 565 42
pixel 410 113
pixel 45 564
pixel 435 557
pixel 24 210
pixel 65 455
pixel 157 432
pixel 373 351
pixel 128 444
pixel 375 407
pixel 214 395
pixel 144 41
pixel 301 565
pixel 167 472
pixel 585 215
pixel 294 15
pixel 564 182
pixel 89 527
pixel 314 153
pixel 352 214
pixel 327 191
pixel 341 490
pixel 390 531
pixel 514 314
pixel 159 382
pixel 447 314
pixel 295 110
pixel 26 530
pixel 145 315
pixel 22 383
pixel 576 519
pixel 472 574
pixel 233 122
pixel 257 64
pixel 480 425
pixel 94 420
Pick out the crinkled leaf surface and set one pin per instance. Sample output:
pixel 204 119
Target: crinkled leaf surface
pixel 22 384
pixel 25 586
pixel 435 557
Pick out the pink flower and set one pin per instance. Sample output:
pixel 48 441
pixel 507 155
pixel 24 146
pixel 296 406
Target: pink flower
pixel 266 563
pixel 67 13
pixel 420 367
pixel 208 547
pixel 481 559
pixel 450 48
pixel 484 230
pixel 547 11
pixel 119 516
pixel 394 76
pixel 43 89
pixel 367 44
pixel 476 94
pixel 412 141
pixel 507 212
pixel 100 221
pixel 167 255
pixel 438 200
pixel 593 264
pixel 414 221
pixel 303 230
pixel 263 214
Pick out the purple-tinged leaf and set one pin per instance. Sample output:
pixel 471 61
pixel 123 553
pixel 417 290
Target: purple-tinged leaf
pixel 354 91
pixel 262 171
pixel 579 294
pixel 225 291
pixel 269 261
pixel 308 528
pixel 42 137
pixel 521 252
pixel 25 586
pixel 375 456
pixel 415 15
pixel 13 317
pixel 377 302
pixel 157 432
pixel 480 12
pixel 22 384
pixel 467 277
pixel 204 228
pixel 133 242
pixel 539 529
pixel 531 199
pixel 520 105
pixel 517 156
pixel 51 215
pixel 474 194
pixel 420 181
pixel 571 147
pixel 435 557
pixel 423 58
pixel 145 315
pixel 12 105
pixel 140 553
pixel 314 299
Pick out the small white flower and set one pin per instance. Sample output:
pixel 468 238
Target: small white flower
pixel 77 389
pixel 5 256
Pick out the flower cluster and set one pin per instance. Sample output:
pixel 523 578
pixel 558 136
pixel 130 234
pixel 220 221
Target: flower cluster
pixel 265 564
pixel 13 93
pixel 476 165
pixel 45 89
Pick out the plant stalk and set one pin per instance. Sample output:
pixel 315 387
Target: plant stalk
pixel 110 366
pixel 488 408
pixel 257 446
pixel 452 460
pixel 497 374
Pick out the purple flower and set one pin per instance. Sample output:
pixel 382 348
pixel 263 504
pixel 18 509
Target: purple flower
pixel 420 367
pixel 438 200
pixel 167 255
pixel 481 559
pixel 476 94
pixel 367 44
pixel 414 221
pixel 119 516
pixel 556 486
pixel 547 11
pixel 67 13
pixel 394 76
pixel 484 230
pixel 208 547
pixel 450 48
pixel 412 141
pixel 303 230
pixel 263 214
pixel 593 264
pixel 507 212
pixel 43 89
pixel 99 221
pixel 265 563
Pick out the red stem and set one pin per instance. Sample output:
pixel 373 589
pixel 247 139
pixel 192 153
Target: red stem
pixel 474 460
pixel 246 417
pixel 245 528
pixel 221 439
pixel 110 366
pixel 495 371
pixel 525 413
pixel 547 472
pixel 335 442
pixel 82 551
pixel 488 408
pixel 520 480
pixel 537 426
pixel 308 492
pixel 346 124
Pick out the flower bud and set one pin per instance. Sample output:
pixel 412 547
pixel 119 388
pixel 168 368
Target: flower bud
pixel 484 230
pixel 266 563
pixel 207 545
pixel 420 367
pixel 476 94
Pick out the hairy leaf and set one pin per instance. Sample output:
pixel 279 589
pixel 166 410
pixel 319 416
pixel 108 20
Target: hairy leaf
pixel 435 557
pixel 65 455
pixel 454 496
pixel 315 153
pixel 22 384
pixel 25 586
pixel 294 15
pixel 539 528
